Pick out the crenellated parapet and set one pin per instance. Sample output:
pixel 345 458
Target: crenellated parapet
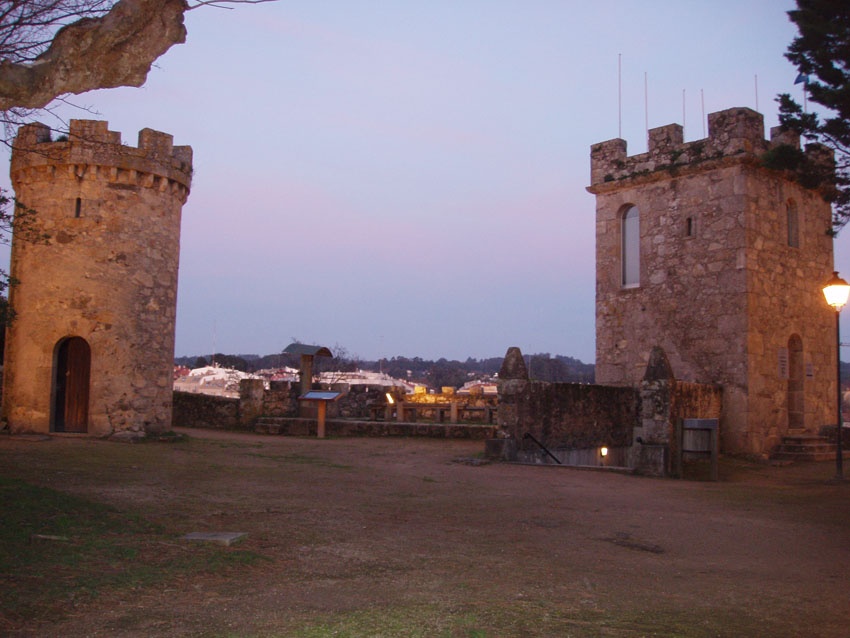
pixel 92 151
pixel 734 135
pixel 92 350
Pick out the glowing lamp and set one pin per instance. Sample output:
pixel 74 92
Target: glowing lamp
pixel 603 451
pixel 390 398
pixel 836 291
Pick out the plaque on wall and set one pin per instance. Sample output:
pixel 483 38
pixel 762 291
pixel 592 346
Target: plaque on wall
pixel 783 363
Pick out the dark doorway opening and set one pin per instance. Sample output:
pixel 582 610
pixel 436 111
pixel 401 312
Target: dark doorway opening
pixel 796 384
pixel 71 386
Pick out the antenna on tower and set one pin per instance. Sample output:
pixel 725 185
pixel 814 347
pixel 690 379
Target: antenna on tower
pixel 757 91
pixel 620 95
pixel 646 107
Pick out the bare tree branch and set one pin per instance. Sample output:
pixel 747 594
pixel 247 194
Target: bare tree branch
pixel 115 49
pixel 218 3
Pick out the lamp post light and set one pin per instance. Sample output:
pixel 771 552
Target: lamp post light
pixel 836 292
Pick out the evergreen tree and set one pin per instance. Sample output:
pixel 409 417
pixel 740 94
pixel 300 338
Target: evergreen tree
pixel 821 53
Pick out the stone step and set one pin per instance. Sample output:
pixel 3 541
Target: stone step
pixel 802 448
pixel 804 439
pixel 806 456
pixel 805 447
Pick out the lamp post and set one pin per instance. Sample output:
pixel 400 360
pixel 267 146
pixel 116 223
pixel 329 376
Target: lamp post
pixel 836 291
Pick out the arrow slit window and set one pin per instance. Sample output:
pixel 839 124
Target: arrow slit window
pixel 630 249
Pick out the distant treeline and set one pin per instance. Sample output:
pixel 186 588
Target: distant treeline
pixel 442 372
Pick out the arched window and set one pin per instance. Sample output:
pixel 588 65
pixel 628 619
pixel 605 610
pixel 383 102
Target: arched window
pixel 793 224
pixel 630 248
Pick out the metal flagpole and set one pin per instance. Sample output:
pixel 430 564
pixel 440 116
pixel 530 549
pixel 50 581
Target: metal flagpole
pixel 620 95
pixel 646 107
pixel 757 92
pixel 702 100
pixel 684 125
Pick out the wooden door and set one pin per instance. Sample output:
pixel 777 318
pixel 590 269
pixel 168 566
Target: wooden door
pixel 796 384
pixel 71 396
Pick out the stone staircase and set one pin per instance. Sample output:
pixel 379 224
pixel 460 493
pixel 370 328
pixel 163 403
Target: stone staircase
pixel 805 447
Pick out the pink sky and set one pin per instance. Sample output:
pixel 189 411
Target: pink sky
pixel 409 178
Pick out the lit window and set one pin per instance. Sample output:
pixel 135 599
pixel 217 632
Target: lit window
pixel 631 246
pixel 793 224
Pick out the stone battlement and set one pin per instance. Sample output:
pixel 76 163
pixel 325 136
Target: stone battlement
pixel 92 150
pixel 736 134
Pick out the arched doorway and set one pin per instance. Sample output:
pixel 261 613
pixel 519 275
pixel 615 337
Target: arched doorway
pixel 796 379
pixel 71 373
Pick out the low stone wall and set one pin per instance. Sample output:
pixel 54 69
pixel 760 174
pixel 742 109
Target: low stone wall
pixel 281 399
pixel 567 415
pixel 192 410
pixel 357 401
pixel 637 425
pixel 664 401
pixel 307 427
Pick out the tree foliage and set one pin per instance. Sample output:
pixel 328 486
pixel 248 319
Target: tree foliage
pixel 821 53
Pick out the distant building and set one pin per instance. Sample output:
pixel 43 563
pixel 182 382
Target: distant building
pixel 706 253
pixel 485 386
pixel 366 378
pixel 213 380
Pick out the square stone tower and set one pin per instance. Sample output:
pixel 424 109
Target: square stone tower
pixel 91 349
pixel 720 261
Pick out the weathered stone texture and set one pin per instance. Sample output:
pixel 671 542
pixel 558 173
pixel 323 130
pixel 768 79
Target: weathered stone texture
pixel 193 410
pixel 251 394
pixel 108 273
pixel 724 301
pixel 663 401
pixel 513 365
pixel 635 423
pixel 281 399
pixel 567 415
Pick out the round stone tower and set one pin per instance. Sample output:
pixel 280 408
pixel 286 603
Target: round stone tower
pixel 91 348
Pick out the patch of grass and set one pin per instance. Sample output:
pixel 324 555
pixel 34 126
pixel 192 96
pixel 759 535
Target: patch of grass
pixel 521 619
pixel 302 459
pixel 428 479
pixel 105 549
pixel 227 443
pixel 165 437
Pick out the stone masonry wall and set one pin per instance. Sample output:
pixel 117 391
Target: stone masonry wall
pixel 281 399
pixel 663 403
pixel 193 410
pixel 567 415
pixel 725 299
pixel 785 298
pixel 107 274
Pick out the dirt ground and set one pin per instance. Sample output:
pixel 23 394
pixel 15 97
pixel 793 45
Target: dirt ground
pixel 407 537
